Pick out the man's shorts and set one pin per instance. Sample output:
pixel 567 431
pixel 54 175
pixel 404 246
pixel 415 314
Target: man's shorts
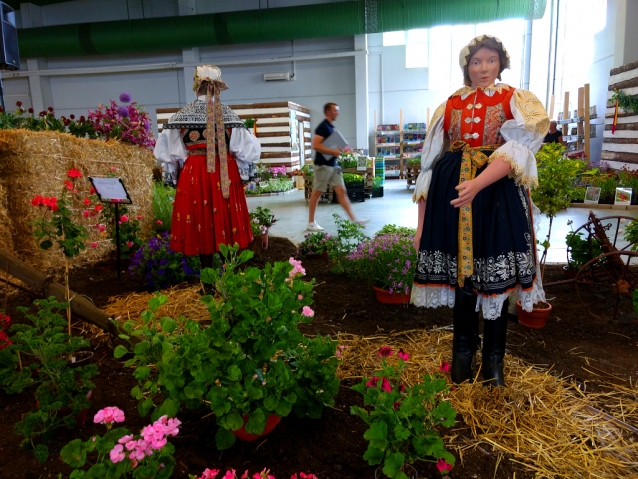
pixel 326 176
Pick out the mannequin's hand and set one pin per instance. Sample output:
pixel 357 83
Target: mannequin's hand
pixel 467 191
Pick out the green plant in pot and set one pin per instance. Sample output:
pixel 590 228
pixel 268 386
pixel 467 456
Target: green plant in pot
pixel 580 249
pixel 403 419
pixel 41 355
pixel 249 364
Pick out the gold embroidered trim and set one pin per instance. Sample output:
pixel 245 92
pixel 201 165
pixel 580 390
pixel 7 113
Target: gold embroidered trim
pixel 498 88
pixel 438 113
pixel 421 196
pixel 533 112
pixel 518 172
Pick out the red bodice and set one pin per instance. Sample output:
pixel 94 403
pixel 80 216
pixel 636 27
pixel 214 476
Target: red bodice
pixel 478 118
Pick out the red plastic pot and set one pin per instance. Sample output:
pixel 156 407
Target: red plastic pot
pixel 271 422
pixel 537 318
pixel 384 296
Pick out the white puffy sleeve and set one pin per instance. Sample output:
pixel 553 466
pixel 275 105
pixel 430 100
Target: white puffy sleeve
pixel 523 137
pixel 169 150
pixel 244 147
pixel 434 147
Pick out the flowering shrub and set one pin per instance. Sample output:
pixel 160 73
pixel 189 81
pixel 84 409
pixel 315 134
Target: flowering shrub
pixel 161 266
pixel 402 419
pixel 232 474
pixel 62 392
pixel 57 223
pixel 120 454
pixel 261 219
pixel 349 236
pixel 316 243
pixel 250 362
pixel 387 261
pixel 128 123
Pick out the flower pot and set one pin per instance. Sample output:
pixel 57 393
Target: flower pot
pixel 568 272
pixel 80 358
pixel 264 240
pixel 408 469
pixel 384 296
pixel 271 422
pixel 537 318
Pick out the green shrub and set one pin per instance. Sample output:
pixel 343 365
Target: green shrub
pixel 163 198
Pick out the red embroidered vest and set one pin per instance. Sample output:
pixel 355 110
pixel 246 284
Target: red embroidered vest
pixel 478 118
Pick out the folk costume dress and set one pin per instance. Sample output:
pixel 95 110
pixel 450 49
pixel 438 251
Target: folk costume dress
pixel 210 206
pixel 488 246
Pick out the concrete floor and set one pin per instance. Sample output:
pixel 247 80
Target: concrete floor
pixel 396 207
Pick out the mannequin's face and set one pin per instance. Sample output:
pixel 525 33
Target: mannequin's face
pixel 483 67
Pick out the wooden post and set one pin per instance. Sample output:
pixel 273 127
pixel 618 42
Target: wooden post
pixel 587 123
pixel 580 131
pixel 42 284
pixel 565 113
pixel 401 174
pixel 551 107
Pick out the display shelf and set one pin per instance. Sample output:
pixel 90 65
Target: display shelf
pixel 410 136
pixel 582 117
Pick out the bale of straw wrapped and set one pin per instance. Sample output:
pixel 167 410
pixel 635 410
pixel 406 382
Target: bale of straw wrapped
pixel 36 163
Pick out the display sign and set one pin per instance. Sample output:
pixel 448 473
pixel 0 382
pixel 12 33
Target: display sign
pixel 110 190
pixel 592 195
pixel 623 196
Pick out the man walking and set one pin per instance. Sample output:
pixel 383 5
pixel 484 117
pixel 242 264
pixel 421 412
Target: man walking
pixel 326 171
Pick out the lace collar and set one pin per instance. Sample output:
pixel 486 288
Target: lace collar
pixel 489 90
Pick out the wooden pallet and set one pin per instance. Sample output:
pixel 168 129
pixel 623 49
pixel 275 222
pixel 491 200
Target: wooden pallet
pixel 411 174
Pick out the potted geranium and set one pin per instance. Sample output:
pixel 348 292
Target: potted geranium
pixel 261 219
pixel 403 419
pixel 387 261
pixel 251 366
pixel 40 353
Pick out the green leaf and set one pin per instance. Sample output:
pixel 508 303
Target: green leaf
pixel 45 245
pixel 142 372
pixel 74 454
pixel 41 453
pixel 283 408
pixel 170 408
pixel 145 406
pixel 168 325
pixel 393 464
pixel 256 422
pixel 270 403
pixel 234 373
pixel 224 439
pixel 193 391
pixel 373 455
pixel 377 434
pixel 233 421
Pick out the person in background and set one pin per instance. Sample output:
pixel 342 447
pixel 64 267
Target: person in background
pixel 326 171
pixel 554 135
pixel 475 239
pixel 211 140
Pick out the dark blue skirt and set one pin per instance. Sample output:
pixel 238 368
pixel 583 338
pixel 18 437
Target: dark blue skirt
pixel 503 235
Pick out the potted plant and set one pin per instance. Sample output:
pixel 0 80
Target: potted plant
pixel 316 244
pixel 387 261
pixel 250 366
pixel 403 419
pixel 146 455
pixel 40 354
pixel 261 219
pixel 556 172
pixel 161 266
pixel 349 236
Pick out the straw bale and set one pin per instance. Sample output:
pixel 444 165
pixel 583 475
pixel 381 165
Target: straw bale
pixel 35 163
pixel 541 421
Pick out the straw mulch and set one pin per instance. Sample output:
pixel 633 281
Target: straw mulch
pixel 540 420
pixel 35 163
pixel 182 301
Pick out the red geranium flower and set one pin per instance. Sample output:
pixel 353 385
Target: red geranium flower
pixel 86 201
pixel 30 110
pixel 74 173
pixel 69 184
pixel 372 382
pixel 19 103
pixel 4 340
pixel 385 351
pixel 37 201
pixel 445 367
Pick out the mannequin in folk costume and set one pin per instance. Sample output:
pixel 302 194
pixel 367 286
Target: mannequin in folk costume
pixel 475 237
pixel 212 142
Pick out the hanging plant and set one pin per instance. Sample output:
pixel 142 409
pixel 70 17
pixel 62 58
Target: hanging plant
pixel 626 102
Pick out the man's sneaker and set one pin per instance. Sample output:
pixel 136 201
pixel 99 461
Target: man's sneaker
pixel 313 226
pixel 363 221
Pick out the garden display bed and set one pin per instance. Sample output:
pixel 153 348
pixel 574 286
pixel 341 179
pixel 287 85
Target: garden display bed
pixel 592 352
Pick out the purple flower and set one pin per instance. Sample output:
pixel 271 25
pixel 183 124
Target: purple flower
pixel 122 111
pixel 125 97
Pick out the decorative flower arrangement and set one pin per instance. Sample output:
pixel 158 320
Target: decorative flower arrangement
pixel 39 355
pixel 251 362
pixel 403 419
pixel 128 123
pixel 161 266
pixel 261 219
pixel 387 261
pixel 276 177
pixel 315 244
pixel 232 474
pixel 121 454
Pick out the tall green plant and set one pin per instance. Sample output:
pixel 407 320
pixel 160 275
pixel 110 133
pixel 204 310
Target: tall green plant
pixel 556 175
pixel 163 197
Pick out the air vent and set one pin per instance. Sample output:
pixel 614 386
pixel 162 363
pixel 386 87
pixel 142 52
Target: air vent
pixel 283 76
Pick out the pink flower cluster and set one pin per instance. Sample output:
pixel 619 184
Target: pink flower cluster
pixel 297 269
pixel 153 438
pixel 126 123
pixel 265 474
pixel 109 415
pixel 277 170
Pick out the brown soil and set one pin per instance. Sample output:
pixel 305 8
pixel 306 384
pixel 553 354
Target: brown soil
pixel 331 447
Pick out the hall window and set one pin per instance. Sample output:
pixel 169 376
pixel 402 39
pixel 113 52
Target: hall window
pixel 416 48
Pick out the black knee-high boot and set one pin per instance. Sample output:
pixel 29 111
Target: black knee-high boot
pixel 494 339
pixel 466 338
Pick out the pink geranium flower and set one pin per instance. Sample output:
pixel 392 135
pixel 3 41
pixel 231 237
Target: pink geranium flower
pixel 403 355
pixel 444 367
pixel 385 386
pixel 443 466
pixel 385 351
pixel 307 311
pixel 372 382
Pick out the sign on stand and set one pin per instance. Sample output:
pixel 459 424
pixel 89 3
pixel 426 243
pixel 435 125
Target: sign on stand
pixel 112 190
